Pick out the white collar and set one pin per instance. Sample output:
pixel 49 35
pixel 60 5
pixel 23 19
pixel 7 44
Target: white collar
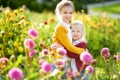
pixel 77 41
pixel 65 24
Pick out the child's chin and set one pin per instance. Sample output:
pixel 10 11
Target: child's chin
pixel 75 39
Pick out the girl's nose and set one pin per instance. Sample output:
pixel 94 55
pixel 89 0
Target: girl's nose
pixel 69 15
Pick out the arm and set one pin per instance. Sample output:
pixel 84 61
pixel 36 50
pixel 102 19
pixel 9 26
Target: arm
pixel 56 45
pixel 61 35
pixel 80 45
pixel 72 55
pixel 69 54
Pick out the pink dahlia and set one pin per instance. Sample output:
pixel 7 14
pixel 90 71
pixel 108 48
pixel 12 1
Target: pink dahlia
pixel 61 51
pixel 32 32
pixel 29 43
pixel 118 56
pixel 105 53
pixel 59 63
pixel 41 61
pixel 41 43
pixel 93 62
pixel 4 61
pixel 15 74
pixel 70 73
pixel 90 69
pixel 46 67
pixel 32 53
pixel 45 52
pixel 86 57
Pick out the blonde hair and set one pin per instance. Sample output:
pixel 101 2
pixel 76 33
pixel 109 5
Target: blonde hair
pixel 61 5
pixel 80 23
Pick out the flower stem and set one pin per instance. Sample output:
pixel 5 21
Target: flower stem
pixel 3 48
pixel 82 67
pixel 107 68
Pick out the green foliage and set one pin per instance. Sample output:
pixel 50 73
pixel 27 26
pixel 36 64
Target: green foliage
pixel 106 69
pixel 109 8
pixel 13 23
pixel 103 33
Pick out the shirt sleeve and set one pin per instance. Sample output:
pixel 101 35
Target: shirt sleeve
pixel 63 38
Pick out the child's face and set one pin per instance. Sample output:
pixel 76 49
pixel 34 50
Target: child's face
pixel 66 13
pixel 76 32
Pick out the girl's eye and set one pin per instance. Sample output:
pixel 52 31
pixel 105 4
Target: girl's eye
pixel 71 12
pixel 65 12
pixel 73 31
pixel 78 31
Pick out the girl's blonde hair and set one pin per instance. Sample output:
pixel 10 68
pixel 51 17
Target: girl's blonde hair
pixel 61 5
pixel 80 23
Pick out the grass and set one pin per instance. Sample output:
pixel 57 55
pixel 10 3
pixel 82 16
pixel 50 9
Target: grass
pixel 115 8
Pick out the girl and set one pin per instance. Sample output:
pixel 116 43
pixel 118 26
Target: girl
pixel 78 36
pixel 62 35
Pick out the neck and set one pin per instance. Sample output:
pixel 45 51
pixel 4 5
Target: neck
pixel 77 40
pixel 66 22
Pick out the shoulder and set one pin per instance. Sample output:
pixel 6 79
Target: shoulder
pixel 60 28
pixel 82 44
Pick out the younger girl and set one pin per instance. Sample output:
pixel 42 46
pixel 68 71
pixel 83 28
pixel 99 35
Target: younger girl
pixel 78 36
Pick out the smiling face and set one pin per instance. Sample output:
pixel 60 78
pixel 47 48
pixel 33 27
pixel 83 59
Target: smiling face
pixel 77 32
pixel 66 14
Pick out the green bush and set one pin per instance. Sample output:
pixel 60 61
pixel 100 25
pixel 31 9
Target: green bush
pixel 102 32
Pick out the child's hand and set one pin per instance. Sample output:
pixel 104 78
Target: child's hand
pixel 56 45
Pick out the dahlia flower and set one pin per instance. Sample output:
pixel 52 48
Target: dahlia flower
pixel 90 69
pixel 45 52
pixel 46 67
pixel 33 33
pixel 4 61
pixel 61 51
pixel 105 53
pixel 32 53
pixel 29 43
pixel 15 74
pixel 86 57
pixel 59 63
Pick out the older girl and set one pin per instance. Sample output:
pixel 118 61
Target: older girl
pixel 62 35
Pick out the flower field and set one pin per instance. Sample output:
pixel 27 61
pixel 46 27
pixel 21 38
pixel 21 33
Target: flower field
pixel 26 36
